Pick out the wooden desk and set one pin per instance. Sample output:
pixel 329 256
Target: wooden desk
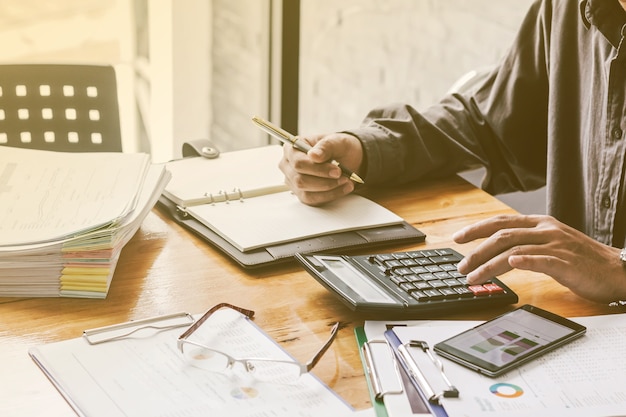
pixel 165 269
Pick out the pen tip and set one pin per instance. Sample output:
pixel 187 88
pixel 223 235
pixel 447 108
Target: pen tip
pixel 356 178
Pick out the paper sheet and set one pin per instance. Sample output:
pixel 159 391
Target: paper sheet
pixel 146 375
pixel 46 196
pixel 280 217
pixel 584 378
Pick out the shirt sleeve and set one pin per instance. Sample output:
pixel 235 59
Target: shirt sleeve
pixel 502 126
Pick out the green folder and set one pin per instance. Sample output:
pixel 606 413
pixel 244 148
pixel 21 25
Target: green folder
pixel 377 404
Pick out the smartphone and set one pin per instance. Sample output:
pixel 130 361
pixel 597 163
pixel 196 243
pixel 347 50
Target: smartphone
pixel 509 340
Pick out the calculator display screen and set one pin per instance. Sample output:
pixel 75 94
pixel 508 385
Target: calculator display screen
pixel 355 280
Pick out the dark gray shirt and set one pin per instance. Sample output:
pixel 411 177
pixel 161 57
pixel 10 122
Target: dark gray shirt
pixel 551 113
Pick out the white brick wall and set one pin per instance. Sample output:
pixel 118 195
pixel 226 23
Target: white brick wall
pixel 358 54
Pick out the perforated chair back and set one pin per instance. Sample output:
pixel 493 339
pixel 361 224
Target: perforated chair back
pixel 69 108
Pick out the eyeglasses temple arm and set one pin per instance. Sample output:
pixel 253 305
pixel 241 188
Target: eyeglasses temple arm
pixel 205 316
pixel 316 358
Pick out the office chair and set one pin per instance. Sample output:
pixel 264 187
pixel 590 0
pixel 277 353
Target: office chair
pixel 59 107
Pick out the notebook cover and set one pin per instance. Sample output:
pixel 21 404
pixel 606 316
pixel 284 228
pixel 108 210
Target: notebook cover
pixel 282 253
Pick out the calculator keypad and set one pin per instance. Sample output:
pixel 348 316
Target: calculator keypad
pixel 429 275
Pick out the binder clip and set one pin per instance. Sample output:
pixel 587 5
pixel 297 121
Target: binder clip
pixel 384 379
pixel 182 211
pixel 420 377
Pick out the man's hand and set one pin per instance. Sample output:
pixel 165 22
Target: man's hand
pixel 312 177
pixel 543 244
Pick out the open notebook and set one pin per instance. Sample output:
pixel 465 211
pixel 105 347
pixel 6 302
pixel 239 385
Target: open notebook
pixel 239 202
pixel 231 176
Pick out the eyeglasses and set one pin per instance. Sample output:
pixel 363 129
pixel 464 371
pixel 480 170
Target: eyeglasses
pixel 193 345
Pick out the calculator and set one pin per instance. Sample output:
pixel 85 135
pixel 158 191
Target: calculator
pixel 406 284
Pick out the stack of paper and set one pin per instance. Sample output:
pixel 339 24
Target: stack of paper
pixel 66 216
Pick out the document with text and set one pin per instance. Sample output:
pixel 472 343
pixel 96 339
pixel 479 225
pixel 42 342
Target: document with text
pixel 586 378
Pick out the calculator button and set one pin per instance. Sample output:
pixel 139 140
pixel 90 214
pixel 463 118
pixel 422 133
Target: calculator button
pixel 448 267
pixel 419 270
pixel 392 264
pixel 433 294
pixel 445 259
pixel 478 290
pixel 397 279
pixel 419 295
pixel 463 291
pixel 433 268
pixel 408 262
pixel 452 282
pixel 449 293
pixel 422 285
pixel 493 288
pixel 442 275
pixel 437 283
pixel 412 278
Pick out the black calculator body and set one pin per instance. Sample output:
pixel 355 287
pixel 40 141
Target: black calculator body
pixel 404 284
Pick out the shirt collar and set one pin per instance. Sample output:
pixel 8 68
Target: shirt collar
pixel 583 9
pixel 606 15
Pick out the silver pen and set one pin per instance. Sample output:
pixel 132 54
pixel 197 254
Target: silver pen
pixel 288 138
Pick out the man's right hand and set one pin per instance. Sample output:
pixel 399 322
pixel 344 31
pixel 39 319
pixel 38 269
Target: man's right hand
pixel 312 177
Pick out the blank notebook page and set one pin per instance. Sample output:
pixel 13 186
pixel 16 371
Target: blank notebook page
pixel 279 218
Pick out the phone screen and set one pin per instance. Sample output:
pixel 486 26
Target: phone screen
pixel 509 340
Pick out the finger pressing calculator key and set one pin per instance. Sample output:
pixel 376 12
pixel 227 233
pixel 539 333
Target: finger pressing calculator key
pixel 409 284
